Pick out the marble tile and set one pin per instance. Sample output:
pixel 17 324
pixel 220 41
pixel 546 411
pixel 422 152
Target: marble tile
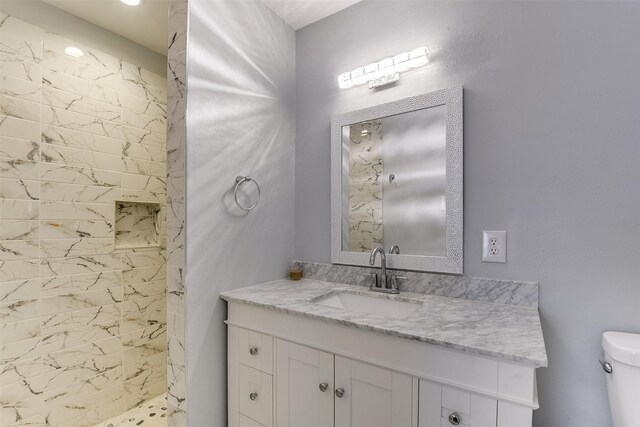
pixel 80 104
pixel 142 312
pixel 19 149
pixel 20 89
pixel 19 290
pixel 82 122
pixel 19 189
pixel 83 326
pixel 19 128
pixel 18 270
pixel 79 301
pixel 79 265
pixel 19 209
pixel 20 40
pixel 81 140
pixel 13 250
pixel 22 70
pixel 19 169
pixel 64 229
pixel 52 210
pixel 136 104
pixel 19 108
pixel 106 316
pixel 19 331
pixel 19 230
pixel 134 135
pixel 62 192
pixel 146 289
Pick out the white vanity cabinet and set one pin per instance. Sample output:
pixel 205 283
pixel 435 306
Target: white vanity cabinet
pixel 293 371
pixel 319 389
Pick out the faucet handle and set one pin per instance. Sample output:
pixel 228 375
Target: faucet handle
pixel 401 277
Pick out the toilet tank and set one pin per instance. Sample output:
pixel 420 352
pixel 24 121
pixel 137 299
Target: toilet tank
pixel 622 352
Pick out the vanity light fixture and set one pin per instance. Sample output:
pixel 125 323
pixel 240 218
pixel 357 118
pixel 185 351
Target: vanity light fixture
pixel 73 51
pixel 385 71
pixel 131 2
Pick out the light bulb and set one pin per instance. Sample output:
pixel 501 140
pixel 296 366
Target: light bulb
pixel 73 51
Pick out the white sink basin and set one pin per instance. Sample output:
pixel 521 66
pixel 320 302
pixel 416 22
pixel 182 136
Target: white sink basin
pixel 380 306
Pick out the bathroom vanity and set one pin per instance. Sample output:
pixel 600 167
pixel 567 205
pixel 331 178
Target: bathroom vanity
pixel 319 354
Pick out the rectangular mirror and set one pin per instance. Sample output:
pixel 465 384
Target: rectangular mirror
pixel 397 183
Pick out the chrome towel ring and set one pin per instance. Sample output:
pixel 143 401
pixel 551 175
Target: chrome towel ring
pixel 239 181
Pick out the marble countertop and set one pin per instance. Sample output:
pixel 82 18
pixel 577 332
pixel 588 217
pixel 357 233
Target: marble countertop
pixel 506 332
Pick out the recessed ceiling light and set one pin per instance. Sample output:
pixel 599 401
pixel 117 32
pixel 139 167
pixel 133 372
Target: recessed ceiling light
pixel 73 51
pixel 131 2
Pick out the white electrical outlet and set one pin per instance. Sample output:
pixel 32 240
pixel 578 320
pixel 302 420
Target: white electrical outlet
pixel 494 246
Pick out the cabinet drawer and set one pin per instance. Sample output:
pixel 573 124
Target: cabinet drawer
pixel 255 350
pixel 248 422
pixel 438 402
pixel 255 391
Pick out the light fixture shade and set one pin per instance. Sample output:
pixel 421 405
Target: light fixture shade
pixel 385 71
pixel 371 71
pixel 418 57
pixel 73 51
pixel 385 67
pixel 131 2
pixel 358 76
pixel 402 62
pixel 344 81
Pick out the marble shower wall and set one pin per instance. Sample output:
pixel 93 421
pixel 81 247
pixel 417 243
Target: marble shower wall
pixel 82 325
pixel 365 186
pixel 176 137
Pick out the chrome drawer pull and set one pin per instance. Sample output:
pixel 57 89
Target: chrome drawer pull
pixel 253 350
pixel 253 396
pixel 339 392
pixel 323 387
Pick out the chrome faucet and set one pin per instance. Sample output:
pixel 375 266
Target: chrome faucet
pixel 382 283
pixel 395 249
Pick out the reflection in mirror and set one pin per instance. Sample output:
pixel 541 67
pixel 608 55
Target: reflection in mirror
pixel 396 181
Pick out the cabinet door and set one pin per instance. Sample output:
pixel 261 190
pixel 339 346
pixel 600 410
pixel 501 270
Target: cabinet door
pixel 300 400
pixel 372 396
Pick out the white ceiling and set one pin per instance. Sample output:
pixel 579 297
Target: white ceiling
pixel 145 24
pixel 300 13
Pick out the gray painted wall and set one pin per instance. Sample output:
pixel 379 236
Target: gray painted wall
pixel 240 121
pixel 61 22
pixel 552 102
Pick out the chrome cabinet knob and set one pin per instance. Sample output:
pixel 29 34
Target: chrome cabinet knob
pixel 253 396
pixel 253 350
pixel 454 419
pixel 339 392
pixel 323 387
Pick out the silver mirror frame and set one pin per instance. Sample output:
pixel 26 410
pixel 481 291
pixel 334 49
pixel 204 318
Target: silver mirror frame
pixel 452 262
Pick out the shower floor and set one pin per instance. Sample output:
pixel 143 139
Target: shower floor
pixel 152 413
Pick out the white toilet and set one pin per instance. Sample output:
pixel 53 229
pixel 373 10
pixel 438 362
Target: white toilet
pixel 622 364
